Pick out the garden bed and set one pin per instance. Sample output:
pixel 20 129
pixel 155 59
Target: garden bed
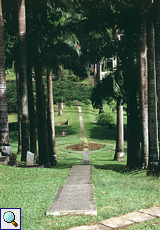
pixel 90 146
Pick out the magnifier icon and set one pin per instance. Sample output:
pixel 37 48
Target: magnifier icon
pixel 9 217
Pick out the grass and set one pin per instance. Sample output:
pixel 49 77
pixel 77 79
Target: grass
pixel 117 190
pixel 10 75
pixel 12 117
pixel 151 224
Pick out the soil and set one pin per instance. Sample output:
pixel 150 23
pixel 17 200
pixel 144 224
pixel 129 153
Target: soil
pixel 90 146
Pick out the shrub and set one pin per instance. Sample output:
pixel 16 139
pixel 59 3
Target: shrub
pixel 85 142
pixel 105 119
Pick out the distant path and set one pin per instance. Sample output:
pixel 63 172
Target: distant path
pixel 81 120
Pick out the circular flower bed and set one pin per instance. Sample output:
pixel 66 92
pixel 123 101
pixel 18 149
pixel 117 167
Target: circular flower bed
pixel 90 146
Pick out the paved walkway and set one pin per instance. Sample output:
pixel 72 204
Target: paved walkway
pixel 124 221
pixel 77 195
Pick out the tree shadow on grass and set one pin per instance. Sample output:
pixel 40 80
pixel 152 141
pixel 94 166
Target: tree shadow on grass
pixel 13 136
pixel 114 167
pixel 68 164
pixel 117 167
pixel 102 133
pixel 65 130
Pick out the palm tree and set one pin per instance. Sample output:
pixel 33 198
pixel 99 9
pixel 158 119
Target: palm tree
pixel 152 96
pixel 4 131
pixel 60 104
pixel 143 88
pixel 119 153
pixel 157 56
pixel 50 119
pixel 39 14
pixel 23 77
pixel 19 116
pixel 32 123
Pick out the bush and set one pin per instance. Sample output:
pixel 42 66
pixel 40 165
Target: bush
pixel 105 119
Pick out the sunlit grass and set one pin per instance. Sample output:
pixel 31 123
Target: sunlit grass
pixel 12 117
pixel 117 190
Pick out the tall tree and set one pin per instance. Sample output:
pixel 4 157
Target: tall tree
pixel 50 120
pixel 119 152
pixel 143 88
pixel 39 11
pixel 4 130
pixel 23 77
pixel 32 115
pixel 152 94
pixel 157 57
pixel 60 104
pixel 127 52
pixel 19 116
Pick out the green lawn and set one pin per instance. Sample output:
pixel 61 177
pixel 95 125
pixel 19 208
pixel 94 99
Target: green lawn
pixel 117 190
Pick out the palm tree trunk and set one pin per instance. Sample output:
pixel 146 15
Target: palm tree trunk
pixel 50 118
pixel 39 15
pixel 23 77
pixel 95 74
pixel 152 97
pixel 60 104
pixel 143 90
pixel 19 116
pixel 157 57
pixel 133 124
pixel 4 130
pixel 119 153
pixel 41 118
pixel 133 139
pixel 33 145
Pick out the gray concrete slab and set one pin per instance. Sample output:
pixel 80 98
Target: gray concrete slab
pixel 82 152
pixel 78 179
pixel 75 199
pixel 153 211
pixel 116 222
pixel 86 158
pixel 91 227
pixel 137 217
pixel 82 169
pixel 80 174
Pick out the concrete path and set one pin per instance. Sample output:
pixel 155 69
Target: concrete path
pixel 77 195
pixel 124 221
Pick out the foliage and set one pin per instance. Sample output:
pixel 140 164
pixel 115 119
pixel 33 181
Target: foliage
pixel 11 97
pixel 109 89
pixel 105 119
pixel 68 91
pixel 84 142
